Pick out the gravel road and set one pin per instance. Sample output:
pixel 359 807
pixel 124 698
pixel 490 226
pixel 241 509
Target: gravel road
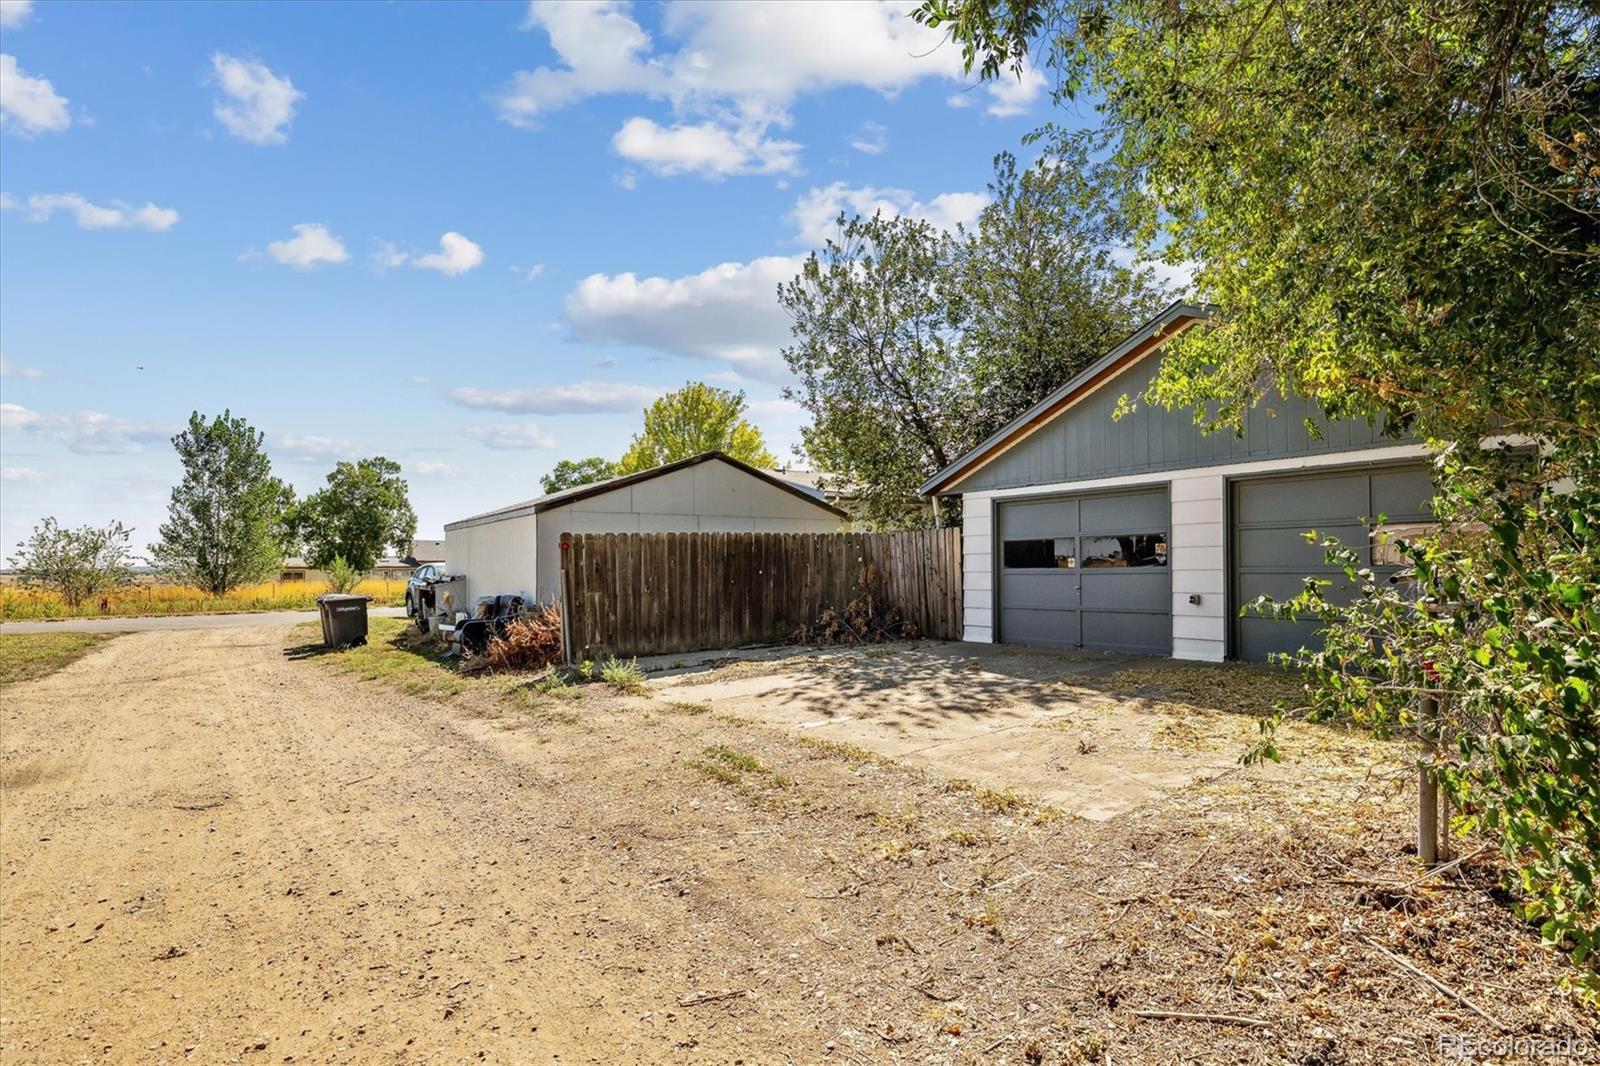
pixel 213 851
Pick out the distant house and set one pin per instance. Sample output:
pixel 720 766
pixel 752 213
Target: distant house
pixel 516 550
pixel 388 568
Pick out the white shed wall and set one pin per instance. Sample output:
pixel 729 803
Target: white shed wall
pixel 711 497
pixel 497 557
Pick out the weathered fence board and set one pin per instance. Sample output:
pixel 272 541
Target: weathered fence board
pixel 659 593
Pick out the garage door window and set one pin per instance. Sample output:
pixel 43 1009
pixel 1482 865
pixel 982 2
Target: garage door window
pixel 1052 554
pixel 1125 549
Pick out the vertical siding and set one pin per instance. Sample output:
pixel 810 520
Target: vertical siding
pixel 1086 442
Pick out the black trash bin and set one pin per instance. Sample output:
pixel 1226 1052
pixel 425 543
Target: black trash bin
pixel 344 619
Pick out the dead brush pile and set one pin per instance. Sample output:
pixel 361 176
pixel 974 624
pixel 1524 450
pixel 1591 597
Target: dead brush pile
pixel 530 642
pixel 867 619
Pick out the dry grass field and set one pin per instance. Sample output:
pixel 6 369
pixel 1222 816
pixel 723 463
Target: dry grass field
pixel 137 601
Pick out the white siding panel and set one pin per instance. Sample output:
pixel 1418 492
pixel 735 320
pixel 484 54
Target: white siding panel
pixel 977 616
pixel 1206 651
pixel 979 598
pixel 1195 512
pixel 1198 534
pixel 1196 556
pixel 980 579
pixel 977 569
pixel 1194 628
pixel 978 634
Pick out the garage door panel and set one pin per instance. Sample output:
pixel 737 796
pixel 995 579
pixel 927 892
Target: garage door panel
pixel 1042 518
pixel 1303 499
pixel 1266 637
pixel 1402 495
pixel 1123 631
pixel 1047 589
pixel 1144 512
pixel 1058 629
pixel 1250 587
pixel 1270 555
pixel 1287 546
pixel 1144 589
pixel 1131 594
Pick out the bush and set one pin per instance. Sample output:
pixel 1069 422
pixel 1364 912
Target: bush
pixel 530 642
pixel 623 676
pixel 864 620
pixel 1502 624
pixel 342 577
pixel 78 564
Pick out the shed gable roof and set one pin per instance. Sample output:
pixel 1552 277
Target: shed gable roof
pixel 1169 323
pixel 597 488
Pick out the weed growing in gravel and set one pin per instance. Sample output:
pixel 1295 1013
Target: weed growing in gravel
pixel 689 708
pixel 625 677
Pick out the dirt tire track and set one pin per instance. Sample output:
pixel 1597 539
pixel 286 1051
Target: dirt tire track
pixel 348 884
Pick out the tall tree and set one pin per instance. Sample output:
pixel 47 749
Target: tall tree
pixel 912 345
pixel 1396 204
pixel 78 563
pixel 696 418
pixel 224 523
pixel 570 473
pixel 1045 285
pixel 364 508
pixel 877 352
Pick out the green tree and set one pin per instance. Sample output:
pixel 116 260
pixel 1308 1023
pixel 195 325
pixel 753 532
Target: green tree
pixel 878 356
pixel 1397 206
pixel 364 508
pixel 696 418
pixel 570 473
pixel 1044 291
pixel 225 520
pixel 78 563
pixel 912 345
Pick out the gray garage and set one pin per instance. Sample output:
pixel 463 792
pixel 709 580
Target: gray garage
pixel 1087 571
pixel 1272 557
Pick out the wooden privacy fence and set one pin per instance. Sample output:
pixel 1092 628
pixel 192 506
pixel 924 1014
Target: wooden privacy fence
pixel 658 593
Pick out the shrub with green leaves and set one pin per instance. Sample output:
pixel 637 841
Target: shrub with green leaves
pixel 342 577
pixel 1501 623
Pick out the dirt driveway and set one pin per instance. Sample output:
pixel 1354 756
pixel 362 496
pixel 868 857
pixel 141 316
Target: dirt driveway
pixel 215 850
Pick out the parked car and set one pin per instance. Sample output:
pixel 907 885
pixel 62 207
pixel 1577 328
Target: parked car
pixel 419 588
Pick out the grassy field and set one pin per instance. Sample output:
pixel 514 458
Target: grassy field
pixel 30 655
pixel 137 601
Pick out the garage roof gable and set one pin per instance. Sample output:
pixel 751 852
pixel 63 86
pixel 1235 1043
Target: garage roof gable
pixel 1173 320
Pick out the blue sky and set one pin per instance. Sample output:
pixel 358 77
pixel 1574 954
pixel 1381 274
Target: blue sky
pixel 475 238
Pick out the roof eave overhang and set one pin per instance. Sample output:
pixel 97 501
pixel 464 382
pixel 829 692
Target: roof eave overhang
pixel 1168 324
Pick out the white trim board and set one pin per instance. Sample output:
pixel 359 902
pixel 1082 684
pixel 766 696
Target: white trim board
pixel 1357 457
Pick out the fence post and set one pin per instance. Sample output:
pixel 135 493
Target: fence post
pixel 1428 786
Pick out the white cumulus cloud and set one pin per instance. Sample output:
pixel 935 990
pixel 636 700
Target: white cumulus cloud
pixel 512 436
pixel 312 245
pixel 116 215
pixel 256 105
pixel 431 469
pixel 1010 95
pixel 728 312
pixel 14 13
pixel 456 255
pixel 814 215
pixel 29 105
pixel 20 473
pixel 578 397
pixel 729 71
pixel 707 149
pixel 86 432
